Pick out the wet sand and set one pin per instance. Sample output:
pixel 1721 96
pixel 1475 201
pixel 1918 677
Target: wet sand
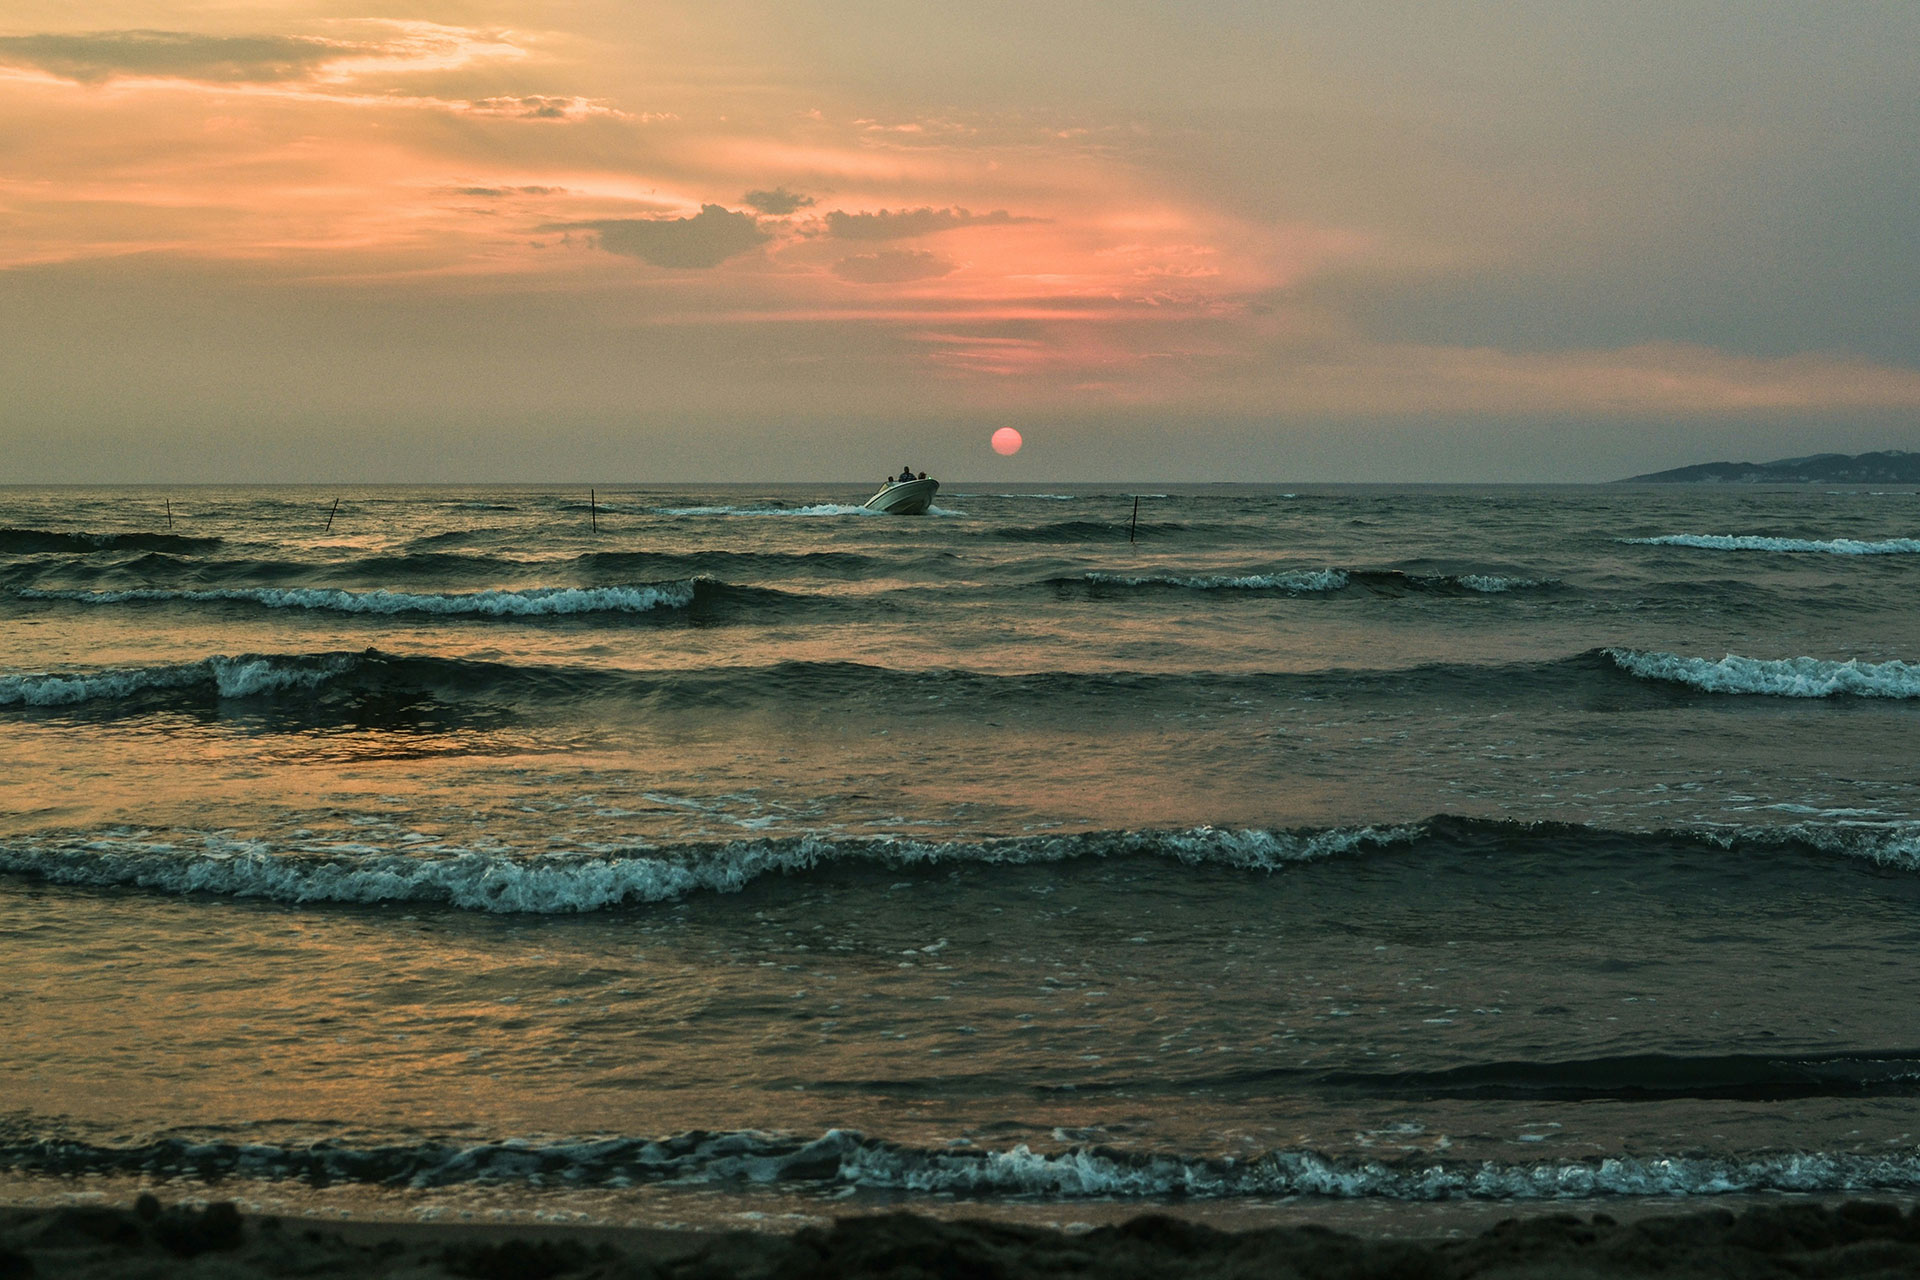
pixel 1854 1238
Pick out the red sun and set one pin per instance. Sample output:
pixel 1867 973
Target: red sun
pixel 1007 442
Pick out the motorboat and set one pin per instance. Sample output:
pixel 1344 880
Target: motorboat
pixel 903 497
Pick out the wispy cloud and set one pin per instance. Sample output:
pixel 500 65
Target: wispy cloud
pixel 98 56
pixel 364 66
pixel 500 193
pixel 366 47
pixel 540 107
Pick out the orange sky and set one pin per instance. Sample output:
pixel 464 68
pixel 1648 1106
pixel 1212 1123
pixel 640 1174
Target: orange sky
pixel 494 241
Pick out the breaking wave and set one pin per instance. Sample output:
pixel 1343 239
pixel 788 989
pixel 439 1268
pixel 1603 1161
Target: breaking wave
pixel 499 881
pixel 852 687
pixel 708 561
pixel 222 676
pixel 1492 584
pixel 552 884
pixel 1298 581
pixel 1394 582
pixel 1776 677
pixel 858 689
pixel 1751 542
pixel 530 602
pixel 844 1158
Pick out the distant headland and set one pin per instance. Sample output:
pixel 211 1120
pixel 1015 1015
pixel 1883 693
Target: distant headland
pixel 1889 466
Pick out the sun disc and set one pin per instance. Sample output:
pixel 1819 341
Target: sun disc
pixel 1007 442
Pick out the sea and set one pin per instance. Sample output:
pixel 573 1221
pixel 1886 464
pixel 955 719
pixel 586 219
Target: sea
pixel 725 856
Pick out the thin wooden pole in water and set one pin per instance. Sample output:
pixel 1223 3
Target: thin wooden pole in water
pixel 331 514
pixel 1136 517
pixel 169 513
pixel 593 509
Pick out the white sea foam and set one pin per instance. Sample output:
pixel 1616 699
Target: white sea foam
pixel 1296 580
pixel 237 677
pixel 1748 542
pixel 1777 677
pixel 1082 1173
pixel 1492 585
pixel 498 879
pixel 1885 844
pixel 531 602
pixel 489 880
pixel 847 1158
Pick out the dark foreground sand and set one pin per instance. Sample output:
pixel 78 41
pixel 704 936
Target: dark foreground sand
pixel 1856 1239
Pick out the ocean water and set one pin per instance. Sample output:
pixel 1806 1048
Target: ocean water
pixel 751 856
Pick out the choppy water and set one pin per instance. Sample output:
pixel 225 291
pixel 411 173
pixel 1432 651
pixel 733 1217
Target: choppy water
pixel 1403 844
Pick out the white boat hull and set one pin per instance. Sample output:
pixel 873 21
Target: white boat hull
pixel 903 497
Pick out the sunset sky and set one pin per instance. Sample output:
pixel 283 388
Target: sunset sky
pixel 816 240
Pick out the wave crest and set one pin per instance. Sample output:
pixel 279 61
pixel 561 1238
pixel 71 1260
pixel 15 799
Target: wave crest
pixel 1755 542
pixel 235 677
pixel 1383 581
pixel 554 884
pixel 1775 677
pixel 528 602
pixel 550 885
pixel 1294 580
pixel 845 1158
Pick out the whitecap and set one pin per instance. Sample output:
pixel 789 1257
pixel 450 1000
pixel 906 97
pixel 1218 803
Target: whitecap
pixel 1295 580
pixel 235 677
pixel 530 602
pixel 489 880
pixel 1490 584
pixel 1753 542
pixel 1775 677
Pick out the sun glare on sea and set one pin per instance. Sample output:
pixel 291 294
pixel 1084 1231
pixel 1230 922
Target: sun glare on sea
pixel 1007 442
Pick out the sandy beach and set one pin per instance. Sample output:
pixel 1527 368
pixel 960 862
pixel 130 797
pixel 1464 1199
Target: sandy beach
pixel 1855 1238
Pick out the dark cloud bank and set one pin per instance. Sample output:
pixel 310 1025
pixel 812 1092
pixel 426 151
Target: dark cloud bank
pixel 777 203
pixel 96 56
pixel 907 223
pixel 707 239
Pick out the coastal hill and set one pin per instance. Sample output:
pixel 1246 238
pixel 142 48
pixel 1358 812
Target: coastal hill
pixel 1889 466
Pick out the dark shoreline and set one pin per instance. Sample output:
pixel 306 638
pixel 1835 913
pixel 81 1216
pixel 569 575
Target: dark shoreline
pixel 1853 1238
